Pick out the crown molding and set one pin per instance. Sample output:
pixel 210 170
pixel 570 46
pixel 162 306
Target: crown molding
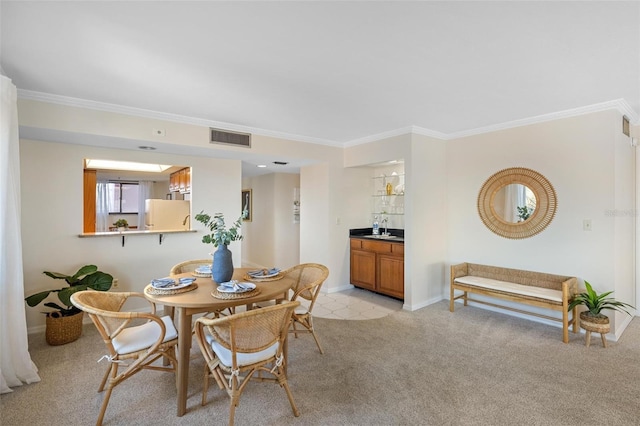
pixel 379 136
pixel 156 115
pixel 620 105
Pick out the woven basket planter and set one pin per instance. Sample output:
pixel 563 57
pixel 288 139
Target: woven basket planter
pixel 63 329
pixel 598 323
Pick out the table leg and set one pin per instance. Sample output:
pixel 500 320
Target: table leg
pixel 184 351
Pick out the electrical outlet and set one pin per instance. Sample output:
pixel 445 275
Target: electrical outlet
pixel 115 283
pixel 586 225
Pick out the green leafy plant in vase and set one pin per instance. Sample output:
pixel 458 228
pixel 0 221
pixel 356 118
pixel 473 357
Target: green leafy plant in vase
pixel 220 236
pixel 64 323
pixel 524 212
pixel 593 319
pixel 121 224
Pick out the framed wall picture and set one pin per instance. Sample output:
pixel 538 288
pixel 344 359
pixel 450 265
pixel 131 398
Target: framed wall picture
pixel 247 201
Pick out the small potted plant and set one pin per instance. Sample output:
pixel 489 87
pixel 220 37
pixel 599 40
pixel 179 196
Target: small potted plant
pixel 220 237
pixel 121 224
pixel 523 213
pixel 593 319
pixel 64 324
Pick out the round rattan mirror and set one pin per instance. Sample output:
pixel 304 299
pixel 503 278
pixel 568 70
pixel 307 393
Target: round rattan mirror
pixel 529 210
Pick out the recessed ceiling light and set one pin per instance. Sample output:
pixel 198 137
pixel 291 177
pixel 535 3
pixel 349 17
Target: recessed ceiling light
pixel 124 165
pixel 147 148
pixel 262 165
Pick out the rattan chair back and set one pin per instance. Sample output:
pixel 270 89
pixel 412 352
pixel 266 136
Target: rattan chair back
pixel 308 278
pixel 104 309
pixel 189 266
pixel 242 334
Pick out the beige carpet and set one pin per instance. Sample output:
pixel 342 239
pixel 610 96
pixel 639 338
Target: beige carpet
pixel 430 367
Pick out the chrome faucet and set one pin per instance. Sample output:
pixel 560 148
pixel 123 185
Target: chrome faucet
pixel 184 222
pixel 384 222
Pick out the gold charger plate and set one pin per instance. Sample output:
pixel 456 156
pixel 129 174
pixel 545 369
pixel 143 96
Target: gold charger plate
pixel 167 292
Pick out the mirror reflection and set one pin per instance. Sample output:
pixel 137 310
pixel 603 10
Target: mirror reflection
pixel 517 203
pixel 514 203
pixel 125 198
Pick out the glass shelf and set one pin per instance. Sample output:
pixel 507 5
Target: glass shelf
pixel 389 205
pixel 387 177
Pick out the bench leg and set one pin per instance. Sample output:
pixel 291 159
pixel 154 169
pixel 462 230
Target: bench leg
pixel 565 326
pixel 576 320
pixel 465 299
pixel 451 300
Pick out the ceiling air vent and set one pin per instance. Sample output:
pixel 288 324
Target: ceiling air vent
pixel 230 138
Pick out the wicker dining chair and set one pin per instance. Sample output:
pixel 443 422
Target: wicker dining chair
pixel 309 278
pixel 141 344
pixel 238 346
pixel 189 266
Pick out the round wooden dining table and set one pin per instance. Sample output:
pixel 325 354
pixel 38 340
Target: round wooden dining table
pixel 201 300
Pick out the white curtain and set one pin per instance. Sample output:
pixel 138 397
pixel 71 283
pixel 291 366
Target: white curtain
pixel 102 206
pixel 16 366
pixel 144 192
pixel 515 196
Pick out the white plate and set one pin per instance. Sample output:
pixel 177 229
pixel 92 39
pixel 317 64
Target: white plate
pixel 258 274
pixel 247 287
pixel 175 286
pixel 203 269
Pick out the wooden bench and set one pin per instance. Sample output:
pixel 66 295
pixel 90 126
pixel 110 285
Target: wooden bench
pixel 515 285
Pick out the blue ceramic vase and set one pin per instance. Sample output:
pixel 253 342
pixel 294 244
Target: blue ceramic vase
pixel 222 268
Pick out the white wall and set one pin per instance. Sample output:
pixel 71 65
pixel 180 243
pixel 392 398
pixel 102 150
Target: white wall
pixel 271 238
pixel 287 233
pixel 590 168
pixel 426 217
pixel 52 197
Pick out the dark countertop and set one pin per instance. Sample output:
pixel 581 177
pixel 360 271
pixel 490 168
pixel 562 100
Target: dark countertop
pixel 397 235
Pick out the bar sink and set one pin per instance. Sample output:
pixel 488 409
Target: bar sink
pixel 380 237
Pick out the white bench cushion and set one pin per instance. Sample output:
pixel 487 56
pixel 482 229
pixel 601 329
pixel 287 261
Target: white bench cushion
pixel 524 290
pixel 133 339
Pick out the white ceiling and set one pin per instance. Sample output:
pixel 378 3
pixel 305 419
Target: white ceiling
pixel 329 72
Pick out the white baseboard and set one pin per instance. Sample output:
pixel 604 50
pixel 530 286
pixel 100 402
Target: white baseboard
pixel 421 305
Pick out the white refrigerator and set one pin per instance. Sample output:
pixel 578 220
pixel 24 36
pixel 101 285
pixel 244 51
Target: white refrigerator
pixel 166 214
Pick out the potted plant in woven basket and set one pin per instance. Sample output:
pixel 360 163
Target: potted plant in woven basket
pixel 593 319
pixel 64 324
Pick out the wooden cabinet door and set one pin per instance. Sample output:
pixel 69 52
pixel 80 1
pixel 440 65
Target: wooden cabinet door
pixel 182 175
pixel 174 185
pixel 363 269
pixel 391 275
pixel 89 201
